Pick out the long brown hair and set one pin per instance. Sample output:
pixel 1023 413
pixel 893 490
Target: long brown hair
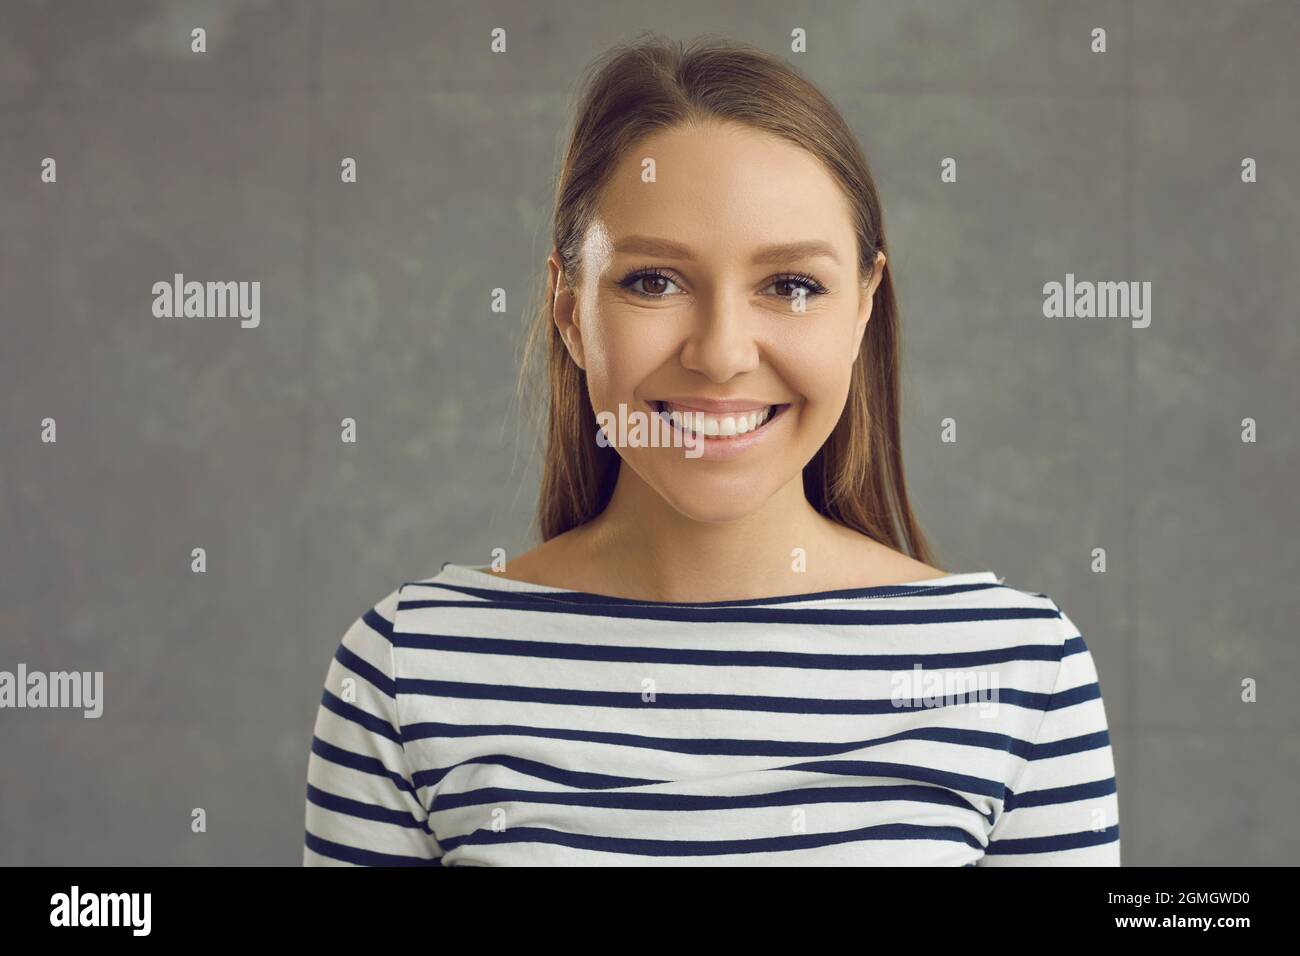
pixel 856 477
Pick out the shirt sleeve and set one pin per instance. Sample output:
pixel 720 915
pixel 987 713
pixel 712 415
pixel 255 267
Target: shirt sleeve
pixel 363 808
pixel 1063 808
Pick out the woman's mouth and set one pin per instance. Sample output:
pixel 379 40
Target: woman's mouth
pixel 718 427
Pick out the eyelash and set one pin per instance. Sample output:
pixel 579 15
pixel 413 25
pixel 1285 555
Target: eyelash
pixel 814 287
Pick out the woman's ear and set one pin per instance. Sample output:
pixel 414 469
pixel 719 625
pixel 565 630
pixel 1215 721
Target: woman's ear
pixel 564 309
pixel 869 297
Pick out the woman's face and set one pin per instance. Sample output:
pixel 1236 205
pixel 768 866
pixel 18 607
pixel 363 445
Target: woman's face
pixel 688 303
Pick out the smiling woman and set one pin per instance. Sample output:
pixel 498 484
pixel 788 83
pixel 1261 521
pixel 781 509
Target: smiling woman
pixel 700 662
pixel 720 332
pixel 720 268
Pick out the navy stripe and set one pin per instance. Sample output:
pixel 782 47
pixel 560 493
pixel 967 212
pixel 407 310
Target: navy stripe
pixel 363 668
pixel 757 615
pixel 379 625
pixel 731 746
pixel 360 762
pixel 532 768
pixel 511 647
pixel 1071 745
pixel 665 701
pixel 365 811
pixel 1075 695
pixel 942 778
pixel 358 716
pixel 601 781
pixel 1055 795
pixel 583 597
pixel 613 799
pixel 643 847
pixel 1049 844
pixel 433 776
pixel 359 857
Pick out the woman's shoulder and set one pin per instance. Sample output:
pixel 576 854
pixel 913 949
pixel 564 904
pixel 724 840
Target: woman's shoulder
pixel 1040 616
pixel 372 625
pixel 379 616
pixel 376 623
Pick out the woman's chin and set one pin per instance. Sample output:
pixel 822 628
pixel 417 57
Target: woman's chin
pixel 716 503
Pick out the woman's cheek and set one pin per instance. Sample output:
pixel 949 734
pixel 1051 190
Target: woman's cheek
pixel 818 374
pixel 624 354
pixel 613 374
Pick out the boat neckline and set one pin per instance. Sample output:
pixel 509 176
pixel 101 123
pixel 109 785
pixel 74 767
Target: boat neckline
pixel 464 574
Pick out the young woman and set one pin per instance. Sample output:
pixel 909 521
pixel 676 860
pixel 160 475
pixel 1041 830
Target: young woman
pixel 730 647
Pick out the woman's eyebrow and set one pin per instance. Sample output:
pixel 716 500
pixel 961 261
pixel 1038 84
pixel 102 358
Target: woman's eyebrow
pixel 786 251
pixel 780 252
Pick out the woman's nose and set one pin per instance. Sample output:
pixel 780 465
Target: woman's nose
pixel 720 342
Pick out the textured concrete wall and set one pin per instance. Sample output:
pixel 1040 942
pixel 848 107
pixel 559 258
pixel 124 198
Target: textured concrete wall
pixel 174 434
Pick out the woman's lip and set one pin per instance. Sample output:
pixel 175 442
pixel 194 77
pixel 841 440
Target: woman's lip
pixel 778 410
pixel 729 406
pixel 726 448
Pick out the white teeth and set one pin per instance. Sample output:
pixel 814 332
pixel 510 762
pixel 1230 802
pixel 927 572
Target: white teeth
pixel 724 426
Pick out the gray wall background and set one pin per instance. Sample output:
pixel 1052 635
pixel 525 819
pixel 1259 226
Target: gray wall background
pixel 174 434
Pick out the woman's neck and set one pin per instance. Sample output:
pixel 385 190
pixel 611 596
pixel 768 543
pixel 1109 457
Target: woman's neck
pixel 642 547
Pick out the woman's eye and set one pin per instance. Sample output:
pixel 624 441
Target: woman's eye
pixel 810 286
pixel 655 284
pixel 652 284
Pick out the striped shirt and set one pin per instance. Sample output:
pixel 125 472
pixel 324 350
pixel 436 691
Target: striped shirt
pixel 469 719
